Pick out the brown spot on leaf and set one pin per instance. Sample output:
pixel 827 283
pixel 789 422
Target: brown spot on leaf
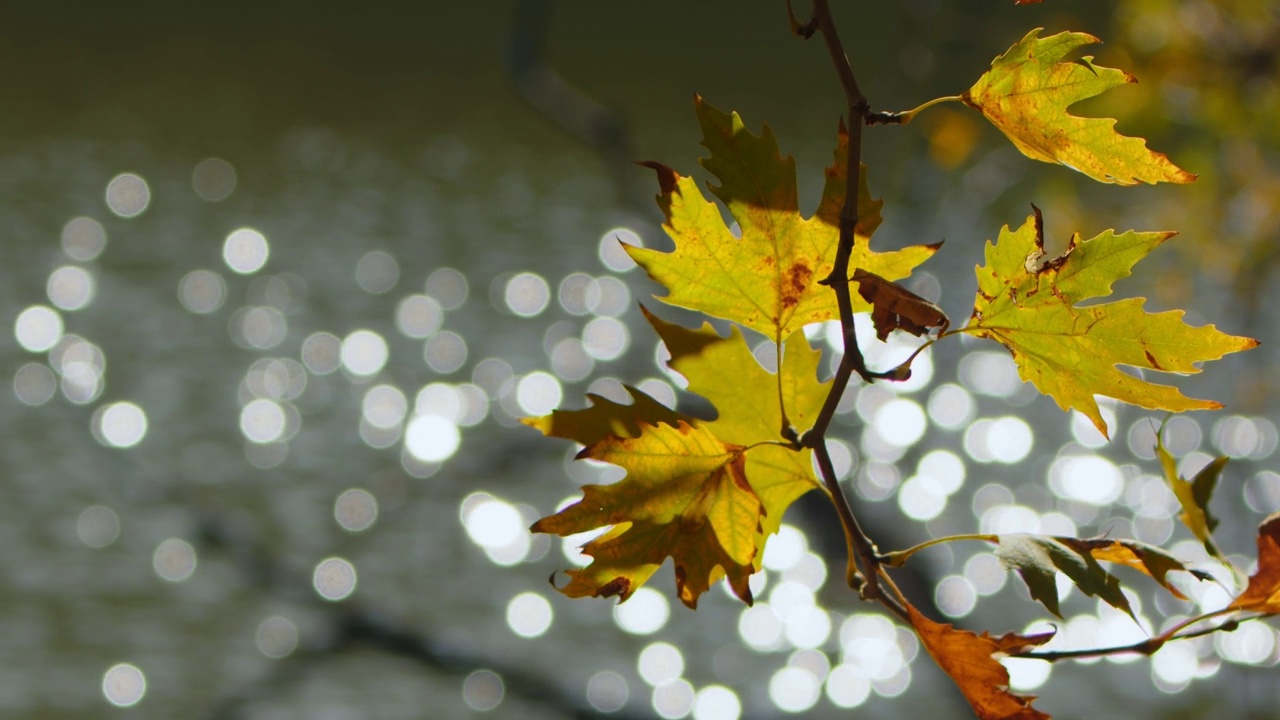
pixel 617 586
pixel 1151 359
pixel 795 284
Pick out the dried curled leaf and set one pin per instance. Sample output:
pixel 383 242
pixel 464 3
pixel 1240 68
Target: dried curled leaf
pixel 1026 94
pixel 1263 592
pixel 1144 558
pixel 969 660
pixel 1029 303
pixel 769 279
pixel 894 307
pixel 686 497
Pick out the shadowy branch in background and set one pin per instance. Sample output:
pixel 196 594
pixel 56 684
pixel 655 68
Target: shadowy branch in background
pixel 353 626
pixel 603 129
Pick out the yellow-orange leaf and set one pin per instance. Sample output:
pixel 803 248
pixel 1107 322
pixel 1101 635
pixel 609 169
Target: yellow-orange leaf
pixel 768 280
pixel 686 496
pixel 1263 593
pixel 1026 94
pixel 1028 302
pixel 968 659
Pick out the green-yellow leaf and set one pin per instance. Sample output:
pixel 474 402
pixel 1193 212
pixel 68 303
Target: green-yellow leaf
pixel 1028 303
pixel 686 496
pixel 746 397
pixel 1026 94
pixel 1193 495
pixel 769 279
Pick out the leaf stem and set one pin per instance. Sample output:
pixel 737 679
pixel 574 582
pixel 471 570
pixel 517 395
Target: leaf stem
pixel 898 558
pixel 906 116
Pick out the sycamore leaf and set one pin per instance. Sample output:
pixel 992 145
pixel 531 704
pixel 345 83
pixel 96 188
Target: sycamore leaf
pixel 1029 304
pixel 1038 558
pixel 1026 94
pixel 1263 592
pixel 686 496
pixel 1193 496
pixel 969 660
pixel 769 279
pixel 897 308
pixel 605 418
pixel 1140 556
pixel 746 396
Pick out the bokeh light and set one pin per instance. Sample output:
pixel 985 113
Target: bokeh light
pixel 716 702
pixel 418 316
pixel 276 637
pixel 431 438
pixel 124 685
pixel 607 691
pixel 202 291
pixel 122 424
pixel 98 526
pixel 611 251
pixel 245 251
pixel 364 353
pixel 660 663
pixel 128 195
pixel 377 272
pixel 529 615
pixel 83 239
pixel 355 510
pixel 38 328
pixel 483 690
pixel 644 613
pixel 334 578
pixel 213 179
pixel 174 560
pixel 448 287
pixel 70 288
pixel 527 294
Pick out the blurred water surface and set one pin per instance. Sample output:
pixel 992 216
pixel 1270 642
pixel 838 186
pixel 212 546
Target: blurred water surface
pixel 280 283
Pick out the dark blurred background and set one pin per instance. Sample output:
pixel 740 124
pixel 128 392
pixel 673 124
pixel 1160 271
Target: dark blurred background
pixel 282 277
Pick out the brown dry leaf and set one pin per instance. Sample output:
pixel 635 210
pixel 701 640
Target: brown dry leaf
pixel 1263 593
pixel 897 308
pixel 968 659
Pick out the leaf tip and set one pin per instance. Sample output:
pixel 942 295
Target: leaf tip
pixel 667 177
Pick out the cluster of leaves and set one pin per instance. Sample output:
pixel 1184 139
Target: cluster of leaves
pixel 709 493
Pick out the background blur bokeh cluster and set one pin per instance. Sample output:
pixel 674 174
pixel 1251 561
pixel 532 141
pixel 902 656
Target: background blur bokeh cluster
pixel 282 280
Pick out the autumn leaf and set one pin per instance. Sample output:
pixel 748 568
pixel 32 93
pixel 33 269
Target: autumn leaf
pixel 1263 592
pixel 969 660
pixel 686 497
pixel 1193 496
pixel 1029 303
pixel 605 418
pixel 1026 94
pixel 1147 559
pixel 769 279
pixel 1038 558
pixel 894 307
pixel 746 398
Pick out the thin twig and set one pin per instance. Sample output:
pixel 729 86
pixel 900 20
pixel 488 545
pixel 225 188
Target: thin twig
pixel 1147 647
pixel 861 550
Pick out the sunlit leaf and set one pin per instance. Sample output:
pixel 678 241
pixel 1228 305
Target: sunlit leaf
pixel 1026 94
pixel 769 279
pixel 1193 496
pixel 1263 592
pixel 1029 303
pixel 746 397
pixel 1038 559
pixel 969 660
pixel 686 497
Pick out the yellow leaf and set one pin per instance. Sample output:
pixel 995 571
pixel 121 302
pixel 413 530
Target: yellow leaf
pixel 769 279
pixel 1193 495
pixel 604 418
pixel 1026 94
pixel 746 397
pixel 686 496
pixel 1028 303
